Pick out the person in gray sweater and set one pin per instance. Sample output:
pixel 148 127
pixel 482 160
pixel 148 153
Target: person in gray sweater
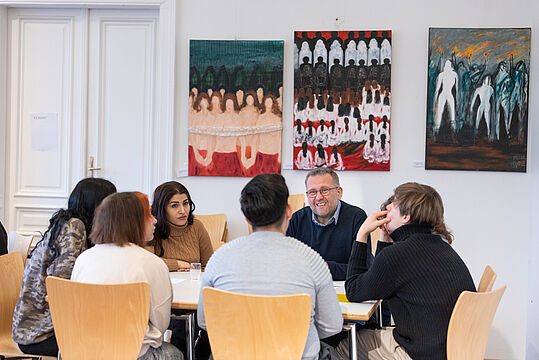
pixel 269 263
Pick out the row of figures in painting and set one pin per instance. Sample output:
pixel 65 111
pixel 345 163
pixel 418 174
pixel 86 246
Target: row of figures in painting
pixel 337 133
pixel 374 151
pixel 340 68
pixel 305 160
pixel 498 101
pixel 372 99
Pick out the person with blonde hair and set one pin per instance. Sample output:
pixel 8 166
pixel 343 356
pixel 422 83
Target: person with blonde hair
pixel 416 272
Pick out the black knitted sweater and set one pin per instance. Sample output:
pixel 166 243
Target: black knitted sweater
pixel 420 276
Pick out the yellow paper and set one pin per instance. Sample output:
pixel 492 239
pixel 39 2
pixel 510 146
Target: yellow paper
pixel 342 298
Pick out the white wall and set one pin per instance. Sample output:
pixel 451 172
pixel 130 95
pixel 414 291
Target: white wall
pixel 532 336
pixel 3 122
pixel 489 212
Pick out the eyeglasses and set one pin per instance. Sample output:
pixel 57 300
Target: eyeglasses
pixel 323 192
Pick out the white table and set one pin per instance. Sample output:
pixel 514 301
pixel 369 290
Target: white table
pixel 186 292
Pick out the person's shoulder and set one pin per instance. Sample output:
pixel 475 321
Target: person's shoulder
pixel 149 258
pixel 301 214
pixel 75 224
pixel 300 248
pixel 197 224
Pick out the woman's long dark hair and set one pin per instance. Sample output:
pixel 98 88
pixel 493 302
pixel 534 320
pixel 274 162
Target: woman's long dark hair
pixel 83 201
pixel 161 197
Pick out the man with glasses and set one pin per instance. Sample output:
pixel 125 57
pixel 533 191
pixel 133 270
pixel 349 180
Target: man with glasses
pixel 328 224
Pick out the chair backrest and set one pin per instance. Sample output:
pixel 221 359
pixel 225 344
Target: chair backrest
pixel 470 324
pixel 259 327
pixel 296 202
pixel 216 227
pixel 19 243
pixel 487 280
pixel 11 271
pixel 98 321
pixel 375 236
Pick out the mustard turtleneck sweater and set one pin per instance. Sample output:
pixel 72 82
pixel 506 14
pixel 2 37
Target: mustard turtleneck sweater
pixel 190 243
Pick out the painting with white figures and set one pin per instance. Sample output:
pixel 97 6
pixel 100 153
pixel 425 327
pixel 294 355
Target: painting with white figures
pixel 342 97
pixel 477 99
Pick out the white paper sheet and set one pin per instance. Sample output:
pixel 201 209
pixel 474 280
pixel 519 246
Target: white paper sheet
pixel 44 130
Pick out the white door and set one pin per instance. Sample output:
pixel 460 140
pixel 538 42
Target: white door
pixel 80 84
pixel 46 83
pixel 121 95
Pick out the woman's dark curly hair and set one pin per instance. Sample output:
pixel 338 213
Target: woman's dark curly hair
pixel 84 199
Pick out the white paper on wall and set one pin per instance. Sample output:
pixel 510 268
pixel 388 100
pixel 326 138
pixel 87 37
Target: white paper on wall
pixel 44 129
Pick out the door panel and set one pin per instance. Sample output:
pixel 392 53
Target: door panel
pixel 81 83
pixel 45 111
pixel 121 101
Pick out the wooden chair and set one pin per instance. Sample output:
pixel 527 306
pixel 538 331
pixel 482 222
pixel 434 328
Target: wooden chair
pixel 20 243
pixel 296 202
pixel 258 327
pixel 487 280
pixel 216 227
pixel 470 324
pixel 375 236
pixel 11 272
pixel 98 321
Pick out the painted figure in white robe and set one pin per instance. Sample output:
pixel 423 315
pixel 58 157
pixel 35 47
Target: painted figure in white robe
pixel 446 86
pixel 335 52
pixel 371 149
pixel 320 157
pixel 304 160
pixel 335 160
pixel 373 52
pixel 484 94
pixel 320 51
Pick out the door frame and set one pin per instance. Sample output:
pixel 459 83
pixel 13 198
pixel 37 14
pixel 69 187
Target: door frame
pixel 163 126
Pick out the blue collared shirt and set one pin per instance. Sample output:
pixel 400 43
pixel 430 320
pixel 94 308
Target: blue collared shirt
pixel 332 220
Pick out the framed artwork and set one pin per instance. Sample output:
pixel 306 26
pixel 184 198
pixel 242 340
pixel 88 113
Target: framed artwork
pixel 342 97
pixel 235 107
pixel 477 99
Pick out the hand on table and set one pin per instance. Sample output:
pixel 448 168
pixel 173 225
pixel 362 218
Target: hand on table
pixel 183 265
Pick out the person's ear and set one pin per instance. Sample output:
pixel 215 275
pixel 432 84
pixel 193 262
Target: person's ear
pixel 405 219
pixel 289 212
pixel 339 192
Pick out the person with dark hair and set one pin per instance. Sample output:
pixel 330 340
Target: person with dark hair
pixel 3 240
pixel 248 264
pixel 328 224
pixel 322 133
pixel 299 134
pixel 335 160
pixel 179 238
pixel 415 271
pixel 332 134
pixel 304 160
pixel 54 255
pixel 123 224
pixel 320 156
